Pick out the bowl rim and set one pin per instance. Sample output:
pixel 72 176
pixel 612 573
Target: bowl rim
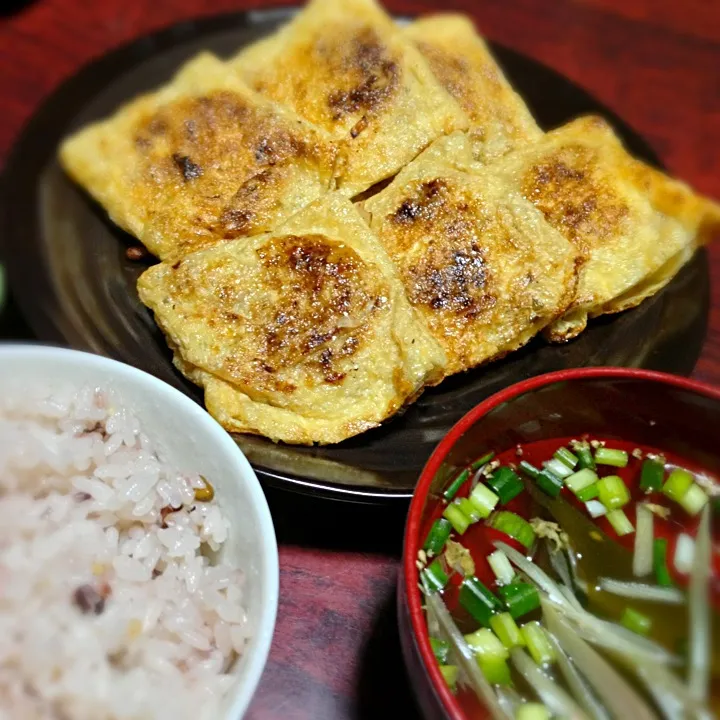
pixel 411 544
pixel 239 699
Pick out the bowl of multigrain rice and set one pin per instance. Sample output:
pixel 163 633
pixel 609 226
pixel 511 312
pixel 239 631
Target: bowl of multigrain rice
pixel 138 561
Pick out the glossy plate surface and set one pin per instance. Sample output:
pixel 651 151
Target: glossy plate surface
pixel 70 275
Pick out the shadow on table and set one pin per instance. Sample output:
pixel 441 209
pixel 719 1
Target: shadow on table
pixel 333 525
pixel 384 689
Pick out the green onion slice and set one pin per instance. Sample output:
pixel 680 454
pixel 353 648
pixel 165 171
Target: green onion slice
pixel 456 484
pixel 613 492
pixel 437 537
pixel 636 621
pixel 608 456
pixel 660 566
pixel 506 484
pixel 520 598
pixel 478 600
pixel 513 525
pixel 652 474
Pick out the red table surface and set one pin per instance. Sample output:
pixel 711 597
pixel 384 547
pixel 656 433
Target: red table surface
pixel 654 62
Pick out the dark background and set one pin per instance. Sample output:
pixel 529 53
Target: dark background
pixel 656 63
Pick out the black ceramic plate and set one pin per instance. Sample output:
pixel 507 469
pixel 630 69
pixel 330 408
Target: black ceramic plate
pixel 69 273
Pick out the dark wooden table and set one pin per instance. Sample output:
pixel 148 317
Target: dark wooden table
pixel 655 62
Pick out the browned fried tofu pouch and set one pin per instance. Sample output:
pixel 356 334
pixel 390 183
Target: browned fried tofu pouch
pixel 346 67
pixel 459 58
pixel 201 161
pixel 633 226
pixel 480 265
pixel 302 335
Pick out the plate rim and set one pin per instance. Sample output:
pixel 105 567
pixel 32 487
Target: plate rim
pixel 109 67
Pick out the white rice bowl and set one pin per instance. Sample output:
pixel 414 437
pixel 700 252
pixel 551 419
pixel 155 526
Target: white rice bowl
pixel 118 599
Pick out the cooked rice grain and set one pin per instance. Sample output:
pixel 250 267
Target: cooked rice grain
pixel 109 608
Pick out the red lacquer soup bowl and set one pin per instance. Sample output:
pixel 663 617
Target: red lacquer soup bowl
pixel 675 415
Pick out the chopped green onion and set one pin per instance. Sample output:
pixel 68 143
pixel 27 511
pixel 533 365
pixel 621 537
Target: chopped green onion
pixel 684 553
pixel 441 650
pixel 636 621
pixel 549 482
pixel 496 672
pixel 437 537
pixel 694 500
pixel 677 484
pixel 620 522
pixel 584 453
pixel 595 508
pixel 660 566
pixel 607 456
pixel 613 492
pixel 507 630
pixel 643 550
pixel 520 598
pixel 587 494
pixel 513 525
pixel 699 616
pixel 652 474
pixel 458 519
pixel 558 468
pixel 484 460
pixel 506 484
pixel 565 456
pixel 501 567
pixel 468 509
pixel 529 469
pixel 483 500
pixel 478 600
pixel 435 576
pixel 485 643
pixel 532 711
pixel 450 673
pixel 537 642
pixel 581 479
pixel 456 484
